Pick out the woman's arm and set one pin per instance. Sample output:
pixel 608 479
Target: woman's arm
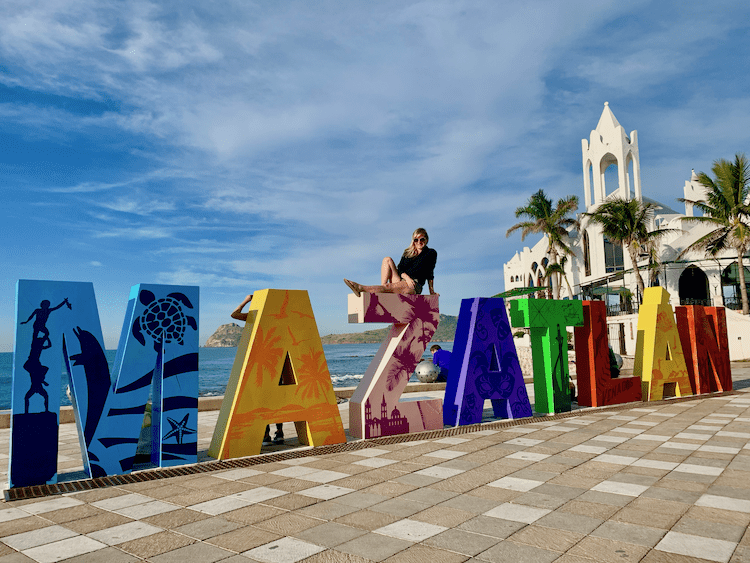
pixel 237 313
pixel 432 288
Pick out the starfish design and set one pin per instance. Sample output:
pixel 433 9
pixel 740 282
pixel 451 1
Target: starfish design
pixel 179 429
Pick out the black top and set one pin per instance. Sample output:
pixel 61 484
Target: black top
pixel 421 267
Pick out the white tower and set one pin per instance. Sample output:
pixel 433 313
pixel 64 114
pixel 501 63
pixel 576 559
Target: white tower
pixel 609 145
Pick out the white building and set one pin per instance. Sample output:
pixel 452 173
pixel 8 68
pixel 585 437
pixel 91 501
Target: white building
pixel 601 270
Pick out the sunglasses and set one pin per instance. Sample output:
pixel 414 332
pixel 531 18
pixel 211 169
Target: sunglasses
pixel 420 239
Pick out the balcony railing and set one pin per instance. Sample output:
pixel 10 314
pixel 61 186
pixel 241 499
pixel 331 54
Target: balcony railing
pixel 628 307
pixel 702 302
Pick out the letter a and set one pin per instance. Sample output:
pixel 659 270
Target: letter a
pixel 280 374
pixel 484 365
pixel 659 360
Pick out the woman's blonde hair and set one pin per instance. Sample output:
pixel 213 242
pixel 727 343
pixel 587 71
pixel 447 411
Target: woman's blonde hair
pixel 411 250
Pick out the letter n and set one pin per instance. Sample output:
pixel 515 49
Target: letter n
pixel 596 388
pixel 703 333
pixel 374 408
pixel 280 374
pixel 659 359
pixel 484 365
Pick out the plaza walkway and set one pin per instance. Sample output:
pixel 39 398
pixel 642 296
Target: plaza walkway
pixel 659 482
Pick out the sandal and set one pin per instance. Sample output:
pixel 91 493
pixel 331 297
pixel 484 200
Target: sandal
pixel 354 287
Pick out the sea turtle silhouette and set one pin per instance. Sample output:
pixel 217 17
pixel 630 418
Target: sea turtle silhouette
pixel 163 320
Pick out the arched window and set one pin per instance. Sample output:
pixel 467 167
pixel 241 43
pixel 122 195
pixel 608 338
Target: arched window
pixel 613 257
pixel 534 266
pixel 544 263
pixel 693 287
pixel 586 254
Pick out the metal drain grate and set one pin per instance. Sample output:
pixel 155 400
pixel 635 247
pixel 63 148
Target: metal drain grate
pixel 20 493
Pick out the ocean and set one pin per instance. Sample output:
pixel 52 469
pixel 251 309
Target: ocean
pixel 347 364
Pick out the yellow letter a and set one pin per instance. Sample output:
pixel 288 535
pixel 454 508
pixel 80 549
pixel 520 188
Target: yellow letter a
pixel 280 341
pixel 659 360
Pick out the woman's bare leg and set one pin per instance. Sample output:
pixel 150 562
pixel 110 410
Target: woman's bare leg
pixel 388 271
pixel 403 287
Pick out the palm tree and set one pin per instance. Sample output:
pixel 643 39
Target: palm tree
pixel 725 208
pixel 551 222
pixel 560 270
pixel 626 222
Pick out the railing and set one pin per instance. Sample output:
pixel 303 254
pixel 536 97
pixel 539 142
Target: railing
pixel 734 303
pixel 629 307
pixel 702 302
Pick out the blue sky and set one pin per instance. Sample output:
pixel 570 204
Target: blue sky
pixel 246 145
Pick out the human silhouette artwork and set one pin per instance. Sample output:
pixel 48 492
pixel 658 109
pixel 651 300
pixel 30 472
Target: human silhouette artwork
pixel 39 341
pixel 35 427
pixel 42 314
pixel 37 372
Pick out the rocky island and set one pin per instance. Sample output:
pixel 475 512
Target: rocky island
pixel 228 335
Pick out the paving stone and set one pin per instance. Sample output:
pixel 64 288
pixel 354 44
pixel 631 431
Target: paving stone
pixel 253 513
pixel 374 547
pixel 518 553
pixel 175 518
pixel 21 525
pixel 41 536
pixel 108 554
pixel 606 551
pixel 124 532
pixel 571 522
pixel 195 552
pixel 475 505
pixel 329 556
pixel 410 530
pixel 551 539
pixel 208 528
pixel 619 488
pixel 155 544
pixel 99 522
pixel 398 507
pixel 123 501
pixel 74 513
pixel 535 499
pixel 330 534
pixel 695 546
pixel 462 541
pixel 629 533
pixel 443 516
pixel 420 553
pixel 517 513
pixel 367 519
pixel 287 524
pixel 361 499
pixel 724 503
pixel 491 526
pixel 243 539
pixel 718 515
pixel 53 504
pixel 324 510
pixel 720 531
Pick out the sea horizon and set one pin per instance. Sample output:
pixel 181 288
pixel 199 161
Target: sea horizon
pixel 347 364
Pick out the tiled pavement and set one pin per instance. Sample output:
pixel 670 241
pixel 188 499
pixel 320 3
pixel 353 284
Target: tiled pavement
pixel 662 482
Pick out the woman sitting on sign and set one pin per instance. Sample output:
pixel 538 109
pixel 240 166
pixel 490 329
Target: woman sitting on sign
pixel 416 267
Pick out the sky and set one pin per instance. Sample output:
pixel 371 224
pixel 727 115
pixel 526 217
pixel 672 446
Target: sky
pixel 246 145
